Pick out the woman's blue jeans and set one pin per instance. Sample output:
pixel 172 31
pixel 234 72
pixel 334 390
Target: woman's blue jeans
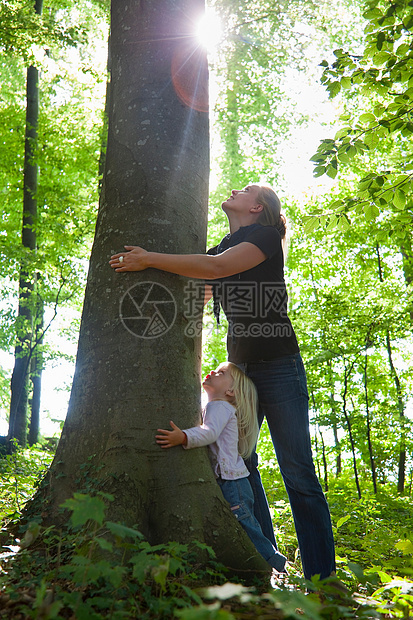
pixel 240 497
pixel 283 398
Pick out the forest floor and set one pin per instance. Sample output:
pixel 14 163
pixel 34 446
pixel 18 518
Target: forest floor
pixel 97 569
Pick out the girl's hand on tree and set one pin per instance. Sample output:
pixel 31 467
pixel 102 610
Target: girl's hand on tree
pixel 169 439
pixel 134 259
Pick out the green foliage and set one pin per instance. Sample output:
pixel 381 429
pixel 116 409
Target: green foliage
pixel 94 568
pixel 20 473
pixel 99 569
pixel 350 303
pixel 67 50
pixel 376 143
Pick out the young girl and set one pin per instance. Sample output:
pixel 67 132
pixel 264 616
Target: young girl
pixel 230 430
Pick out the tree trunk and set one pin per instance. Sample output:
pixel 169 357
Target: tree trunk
pixel 368 429
pixel 337 447
pixel 136 367
pixel 20 377
pixel 407 256
pixel 347 373
pixel 36 374
pixel 401 473
pixel 325 466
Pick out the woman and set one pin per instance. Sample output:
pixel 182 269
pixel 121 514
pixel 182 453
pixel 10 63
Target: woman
pixel 247 270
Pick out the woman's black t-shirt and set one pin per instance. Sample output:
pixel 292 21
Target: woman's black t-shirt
pixel 255 301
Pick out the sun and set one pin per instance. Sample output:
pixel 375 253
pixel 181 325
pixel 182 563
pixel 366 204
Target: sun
pixel 209 30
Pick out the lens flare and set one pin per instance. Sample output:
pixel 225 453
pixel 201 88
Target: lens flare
pixel 209 30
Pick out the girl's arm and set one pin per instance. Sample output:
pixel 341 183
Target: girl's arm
pixel 200 436
pixel 215 420
pixel 204 266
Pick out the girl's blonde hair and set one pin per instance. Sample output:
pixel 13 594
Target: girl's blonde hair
pixel 246 404
pixel 271 214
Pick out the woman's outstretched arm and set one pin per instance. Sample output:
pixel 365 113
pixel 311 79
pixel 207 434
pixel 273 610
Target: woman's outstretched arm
pixel 204 266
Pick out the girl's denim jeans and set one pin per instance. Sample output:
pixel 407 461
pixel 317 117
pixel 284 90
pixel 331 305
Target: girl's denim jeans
pixel 240 497
pixel 283 398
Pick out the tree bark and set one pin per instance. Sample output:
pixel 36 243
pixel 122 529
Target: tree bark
pixel 337 447
pixel 36 370
pixel 347 373
pixel 368 425
pixel 129 380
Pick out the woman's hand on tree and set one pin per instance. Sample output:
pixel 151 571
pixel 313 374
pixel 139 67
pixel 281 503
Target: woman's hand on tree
pixel 133 259
pixel 169 439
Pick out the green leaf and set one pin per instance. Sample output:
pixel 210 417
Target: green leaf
pixel 331 172
pixel 342 133
pixel 161 570
pixel 122 531
pixel 399 199
pixel 367 118
pixel 337 205
pixel 332 224
pixel 141 564
pixel 343 223
pixel 343 157
pixel 85 508
pixel 103 543
pixel 357 570
pixel 381 37
pixel 311 224
pixel 343 520
pixel 346 83
pixel 381 58
pixel 405 546
pixel 319 171
pixel 318 157
pixel 371 211
pixel 382 236
pixel 402 178
pixel 372 14
pixel 371 140
pixel 334 88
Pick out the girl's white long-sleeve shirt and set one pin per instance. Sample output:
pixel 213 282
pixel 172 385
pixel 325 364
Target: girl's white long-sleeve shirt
pixel 219 431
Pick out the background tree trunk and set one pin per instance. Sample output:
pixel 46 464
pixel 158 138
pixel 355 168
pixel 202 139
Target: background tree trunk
pixel 36 369
pixel 129 382
pixel 401 474
pixel 347 373
pixel 24 325
pixel 368 424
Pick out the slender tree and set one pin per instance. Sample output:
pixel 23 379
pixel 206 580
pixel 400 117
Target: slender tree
pixel 21 371
pixel 347 373
pixel 138 357
pixel 368 422
pixel 36 368
pixel 401 474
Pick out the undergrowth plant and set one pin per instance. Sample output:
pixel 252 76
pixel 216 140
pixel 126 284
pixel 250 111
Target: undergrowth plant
pixel 20 473
pixel 100 569
pixel 95 569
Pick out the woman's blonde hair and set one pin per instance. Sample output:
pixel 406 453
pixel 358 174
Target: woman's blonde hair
pixel 246 404
pixel 271 214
